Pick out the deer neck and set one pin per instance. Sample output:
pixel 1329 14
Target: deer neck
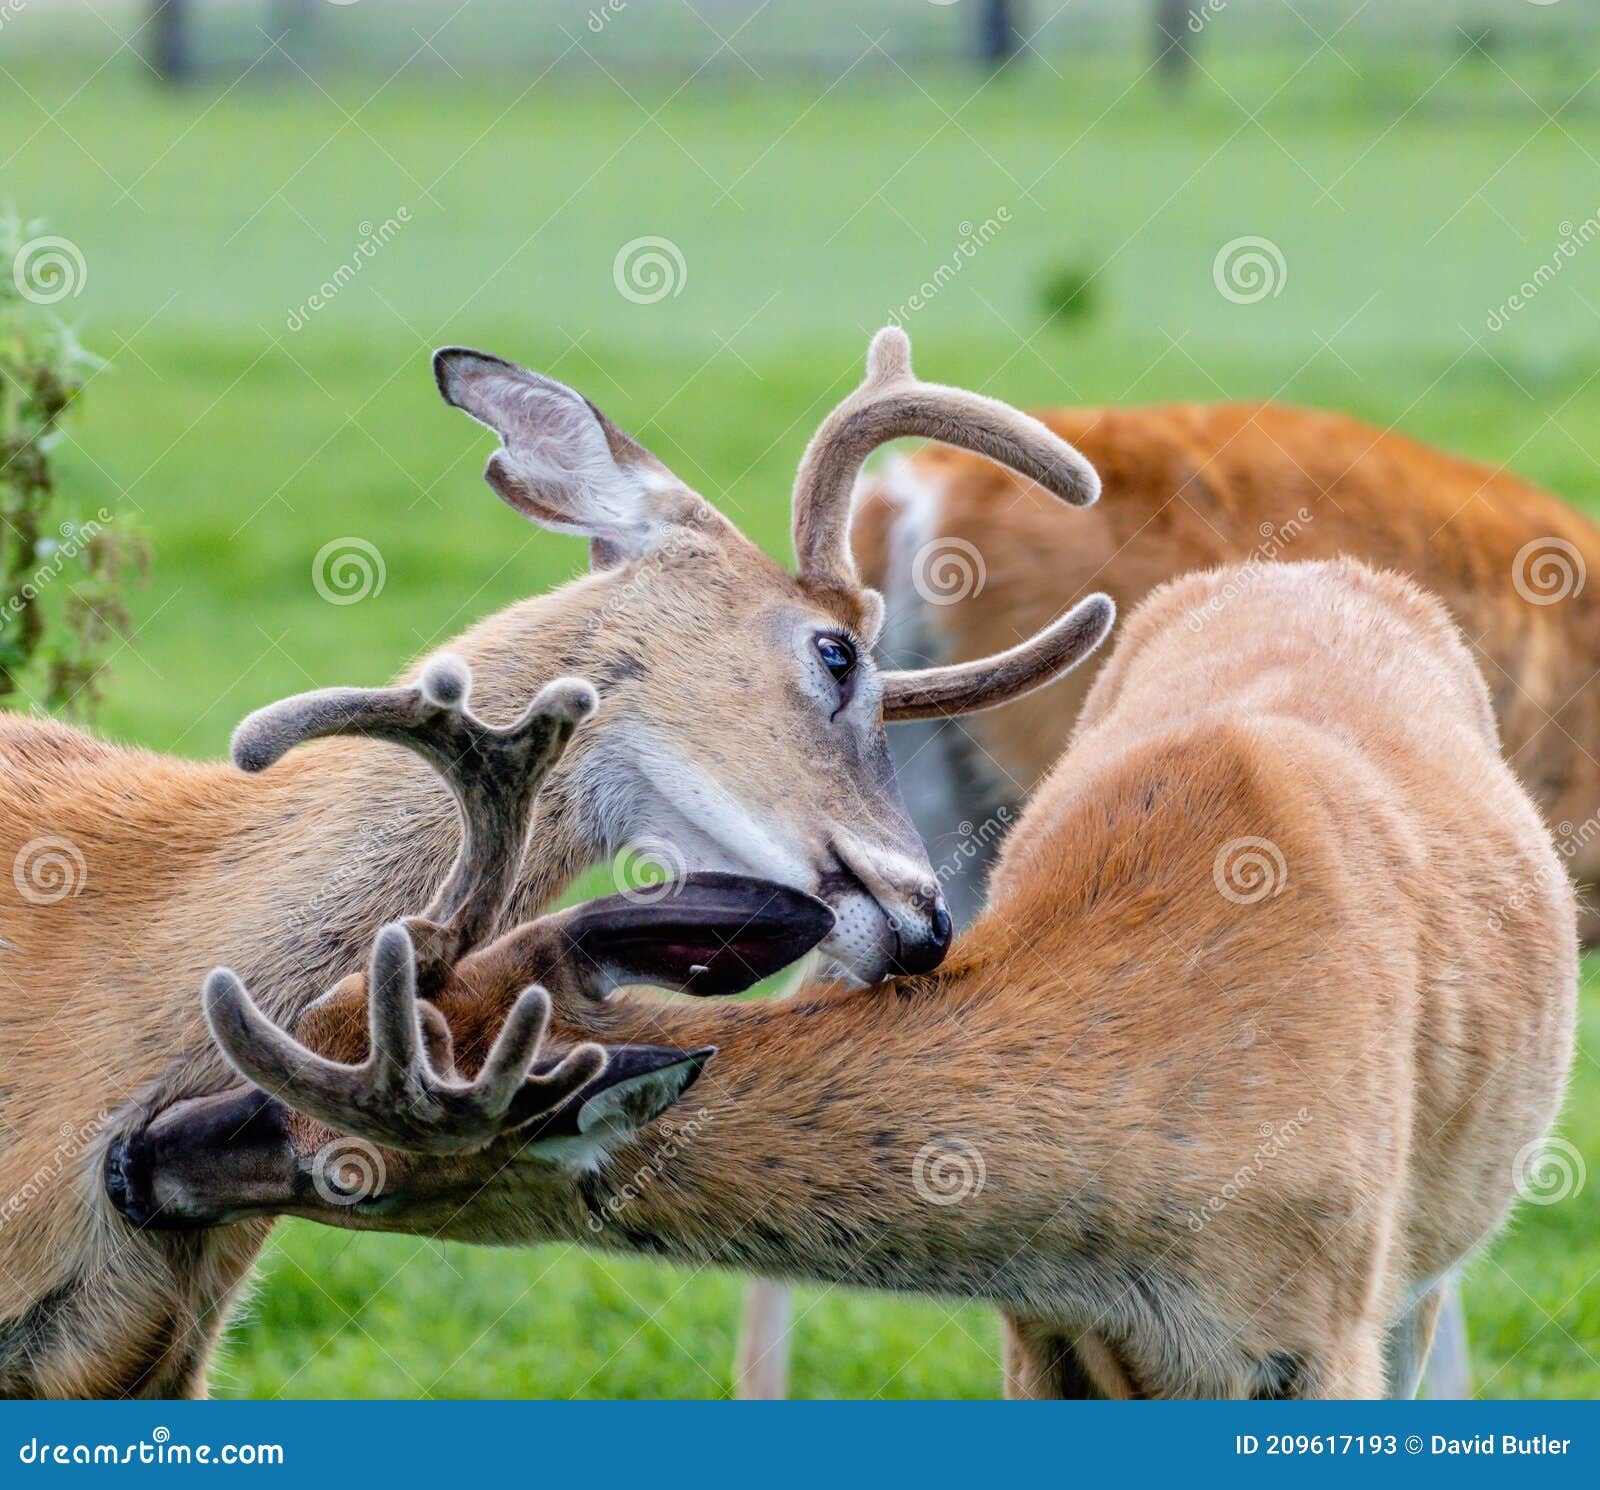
pixel 854 1138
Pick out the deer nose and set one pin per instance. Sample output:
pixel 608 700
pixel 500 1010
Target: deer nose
pixel 924 950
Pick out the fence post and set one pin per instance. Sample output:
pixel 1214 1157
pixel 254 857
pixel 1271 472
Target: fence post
pixel 1172 45
pixel 169 40
pixel 997 32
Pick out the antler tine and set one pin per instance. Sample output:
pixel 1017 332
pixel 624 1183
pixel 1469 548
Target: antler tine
pixel 494 774
pixel 395 1097
pixel 892 402
pixel 966 687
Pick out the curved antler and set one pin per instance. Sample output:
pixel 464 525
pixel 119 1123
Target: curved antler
pixel 965 688
pixel 395 1097
pixel 892 402
pixel 494 774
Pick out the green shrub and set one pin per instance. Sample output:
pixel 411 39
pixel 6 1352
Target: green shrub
pixel 62 571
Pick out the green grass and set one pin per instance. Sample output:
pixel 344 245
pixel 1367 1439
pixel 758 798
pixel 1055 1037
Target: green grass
pixel 1406 206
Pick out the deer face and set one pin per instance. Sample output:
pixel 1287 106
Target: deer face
pixel 743 720
pixel 741 730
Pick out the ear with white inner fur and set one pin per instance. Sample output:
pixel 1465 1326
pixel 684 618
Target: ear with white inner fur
pixel 638 1084
pixel 563 464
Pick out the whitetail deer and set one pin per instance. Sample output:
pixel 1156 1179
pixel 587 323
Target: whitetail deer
pixel 970 557
pixel 163 867
pixel 967 556
pixel 1271 1009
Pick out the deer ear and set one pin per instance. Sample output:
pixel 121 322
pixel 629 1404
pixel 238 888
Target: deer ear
pixel 638 1084
pixel 705 934
pixel 562 463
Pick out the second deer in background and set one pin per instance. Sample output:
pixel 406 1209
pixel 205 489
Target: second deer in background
pixel 970 558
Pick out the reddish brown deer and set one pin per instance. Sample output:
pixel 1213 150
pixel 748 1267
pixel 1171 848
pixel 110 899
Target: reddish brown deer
pixel 1269 1015
pixel 970 558
pixel 134 873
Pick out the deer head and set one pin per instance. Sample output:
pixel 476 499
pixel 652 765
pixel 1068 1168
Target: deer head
pixel 685 625
pixel 434 1052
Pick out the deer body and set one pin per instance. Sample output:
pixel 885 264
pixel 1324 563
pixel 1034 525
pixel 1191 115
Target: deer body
pixel 135 874
pixel 1198 1123
pixel 1387 1028
pixel 1195 485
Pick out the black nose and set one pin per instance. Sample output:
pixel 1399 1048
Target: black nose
pixel 126 1179
pixel 922 954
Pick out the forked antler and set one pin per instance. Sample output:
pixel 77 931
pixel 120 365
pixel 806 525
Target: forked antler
pixel 893 402
pixel 395 1097
pixel 494 773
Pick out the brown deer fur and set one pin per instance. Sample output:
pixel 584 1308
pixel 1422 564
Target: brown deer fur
pixel 1192 485
pixel 1194 1131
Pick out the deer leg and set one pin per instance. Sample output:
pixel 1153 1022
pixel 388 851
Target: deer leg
pixel 1407 1342
pixel 1041 1363
pixel 1449 1365
pixel 761 1373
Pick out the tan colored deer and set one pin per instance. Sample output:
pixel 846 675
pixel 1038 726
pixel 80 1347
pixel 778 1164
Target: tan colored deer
pixel 134 873
pixel 1271 1010
pixel 970 558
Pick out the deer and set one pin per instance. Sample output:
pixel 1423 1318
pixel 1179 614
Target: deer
pixel 1269 1014
pixel 135 872
pixel 969 556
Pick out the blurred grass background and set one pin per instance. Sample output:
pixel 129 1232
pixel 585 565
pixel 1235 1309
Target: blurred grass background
pixel 1409 194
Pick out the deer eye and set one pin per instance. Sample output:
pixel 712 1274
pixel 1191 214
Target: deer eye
pixel 838 656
